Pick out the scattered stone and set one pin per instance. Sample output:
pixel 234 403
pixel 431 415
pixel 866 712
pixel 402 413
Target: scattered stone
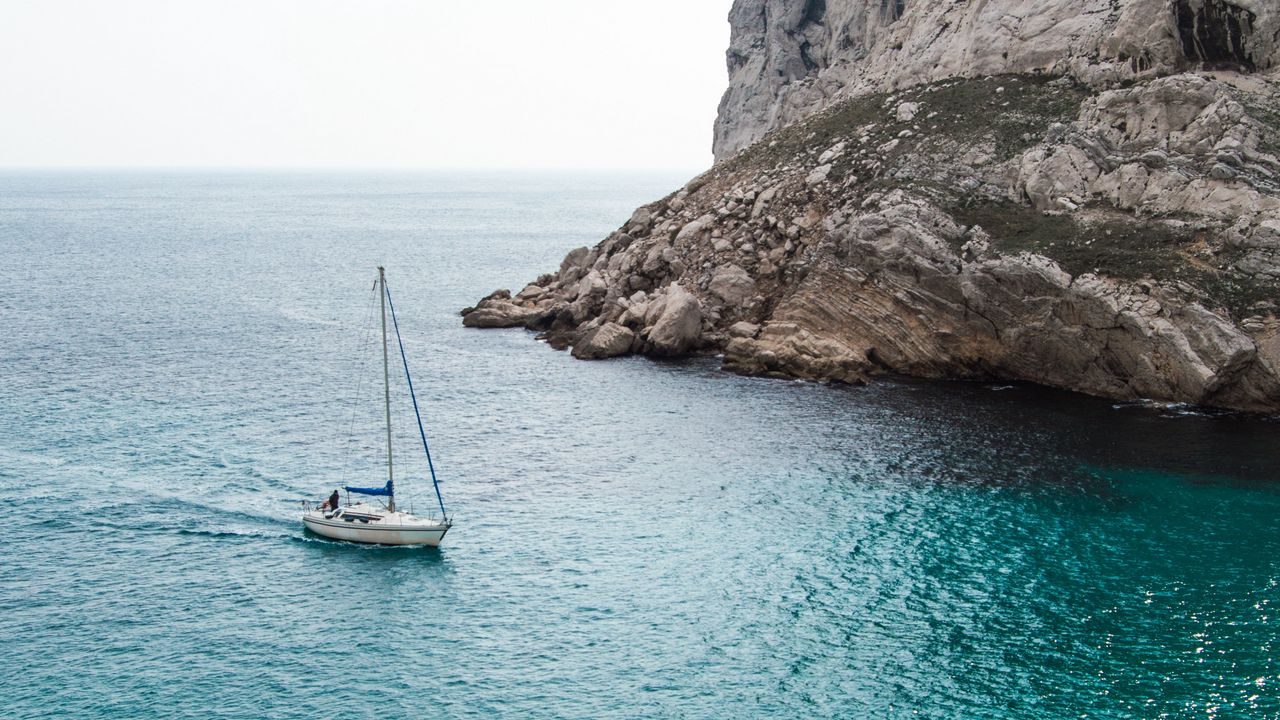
pixel 818 174
pixel 907 111
pixel 831 153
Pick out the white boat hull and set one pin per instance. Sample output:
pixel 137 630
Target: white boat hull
pixel 385 530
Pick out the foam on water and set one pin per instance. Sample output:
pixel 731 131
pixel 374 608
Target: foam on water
pixel 633 538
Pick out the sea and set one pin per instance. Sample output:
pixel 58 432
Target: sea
pixel 186 357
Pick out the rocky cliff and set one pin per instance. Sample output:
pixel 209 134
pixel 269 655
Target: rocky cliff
pixel 1080 194
pixel 790 58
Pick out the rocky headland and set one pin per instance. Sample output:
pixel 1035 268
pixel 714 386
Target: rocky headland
pixel 1079 193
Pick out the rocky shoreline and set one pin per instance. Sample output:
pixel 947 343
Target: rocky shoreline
pixel 1121 240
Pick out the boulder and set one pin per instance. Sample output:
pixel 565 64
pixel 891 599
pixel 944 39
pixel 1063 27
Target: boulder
pixel 640 220
pixel 606 341
pixel 656 259
pixel 575 264
pixel 592 285
pixel 733 285
pixel 692 229
pixel 500 313
pixel 531 292
pixel 679 325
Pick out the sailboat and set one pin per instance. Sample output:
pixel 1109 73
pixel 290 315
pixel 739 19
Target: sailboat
pixel 381 523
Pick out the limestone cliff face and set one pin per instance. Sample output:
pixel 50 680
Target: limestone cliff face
pixel 1083 198
pixel 790 58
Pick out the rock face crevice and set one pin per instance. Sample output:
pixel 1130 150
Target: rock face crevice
pixel 1216 33
pixel 1120 239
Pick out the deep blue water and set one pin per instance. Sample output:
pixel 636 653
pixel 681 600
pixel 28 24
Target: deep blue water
pixel 183 359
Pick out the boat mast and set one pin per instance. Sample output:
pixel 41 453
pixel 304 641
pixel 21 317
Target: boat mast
pixel 386 379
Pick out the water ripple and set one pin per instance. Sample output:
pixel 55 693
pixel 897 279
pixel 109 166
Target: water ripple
pixel 633 538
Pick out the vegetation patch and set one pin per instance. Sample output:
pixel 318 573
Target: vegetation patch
pixel 1013 111
pixel 1121 246
pixel 1267 115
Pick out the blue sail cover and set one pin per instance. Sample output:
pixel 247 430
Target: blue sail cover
pixel 388 490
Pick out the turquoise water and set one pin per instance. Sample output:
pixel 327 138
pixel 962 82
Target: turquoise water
pixel 633 538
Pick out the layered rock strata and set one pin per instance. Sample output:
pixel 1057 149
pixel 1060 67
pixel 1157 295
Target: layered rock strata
pixel 1118 240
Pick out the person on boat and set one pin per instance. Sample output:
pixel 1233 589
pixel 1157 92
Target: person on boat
pixel 332 503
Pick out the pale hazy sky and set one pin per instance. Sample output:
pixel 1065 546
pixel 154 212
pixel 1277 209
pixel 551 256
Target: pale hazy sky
pixel 378 83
